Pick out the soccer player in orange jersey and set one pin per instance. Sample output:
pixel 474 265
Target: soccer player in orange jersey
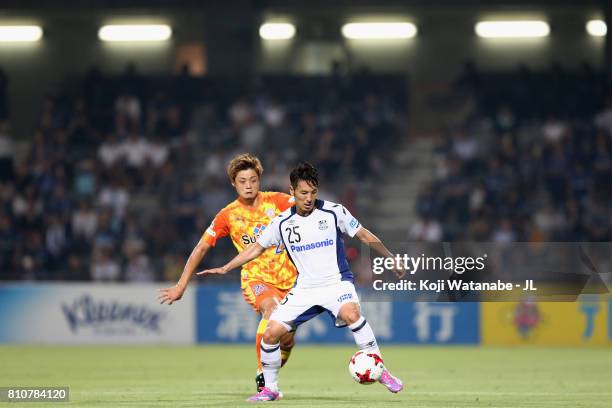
pixel 265 280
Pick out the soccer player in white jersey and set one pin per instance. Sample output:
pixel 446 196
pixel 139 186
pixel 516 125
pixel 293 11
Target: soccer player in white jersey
pixel 311 232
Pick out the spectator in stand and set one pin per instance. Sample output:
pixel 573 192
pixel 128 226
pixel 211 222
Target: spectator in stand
pixel 138 268
pixel 56 242
pixel 108 233
pixel 505 233
pixel 240 112
pixel 159 152
pixel 602 167
pixel 58 202
pixel 550 221
pixel 128 110
pixel 426 229
pixel 85 179
pixel 554 130
pixel 111 151
pixel 31 257
pixel 252 136
pixel 603 119
pixel 84 221
pixel 28 210
pixel 103 267
pixel 75 269
pixel 115 196
pixel 186 207
pixel 135 150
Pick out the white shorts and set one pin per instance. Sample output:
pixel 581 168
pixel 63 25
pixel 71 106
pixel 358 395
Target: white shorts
pixel 302 304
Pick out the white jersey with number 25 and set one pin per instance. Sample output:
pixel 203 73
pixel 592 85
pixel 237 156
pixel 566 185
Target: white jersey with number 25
pixel 314 243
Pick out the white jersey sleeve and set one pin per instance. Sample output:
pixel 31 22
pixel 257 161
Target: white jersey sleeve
pixel 346 222
pixel 271 235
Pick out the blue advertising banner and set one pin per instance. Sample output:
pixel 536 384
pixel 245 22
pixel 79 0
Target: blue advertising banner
pixel 223 316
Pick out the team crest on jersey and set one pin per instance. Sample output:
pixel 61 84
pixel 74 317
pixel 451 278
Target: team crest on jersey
pixel 290 222
pixel 323 224
pixel 259 289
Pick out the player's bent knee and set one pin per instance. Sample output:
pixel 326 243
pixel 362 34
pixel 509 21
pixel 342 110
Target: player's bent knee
pixel 350 313
pixel 287 341
pixel 352 318
pixel 269 338
pixel 273 332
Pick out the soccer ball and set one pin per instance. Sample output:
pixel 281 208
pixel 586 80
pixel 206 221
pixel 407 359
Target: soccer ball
pixel 366 368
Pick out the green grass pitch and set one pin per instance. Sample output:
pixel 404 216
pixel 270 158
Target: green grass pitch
pixel 316 376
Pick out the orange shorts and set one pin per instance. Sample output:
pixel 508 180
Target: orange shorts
pixel 254 292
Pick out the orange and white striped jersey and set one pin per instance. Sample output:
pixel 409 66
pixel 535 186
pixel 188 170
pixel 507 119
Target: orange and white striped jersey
pixel 244 224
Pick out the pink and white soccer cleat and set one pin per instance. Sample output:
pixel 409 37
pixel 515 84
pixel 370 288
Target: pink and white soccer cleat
pixel 392 383
pixel 264 395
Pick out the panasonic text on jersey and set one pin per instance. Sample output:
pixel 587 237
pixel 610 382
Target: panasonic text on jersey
pixel 313 245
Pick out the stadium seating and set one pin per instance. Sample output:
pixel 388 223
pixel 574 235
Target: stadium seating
pixel 527 157
pixel 125 172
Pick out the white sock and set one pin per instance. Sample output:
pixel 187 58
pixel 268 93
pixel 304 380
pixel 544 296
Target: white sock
pixel 364 336
pixel 271 363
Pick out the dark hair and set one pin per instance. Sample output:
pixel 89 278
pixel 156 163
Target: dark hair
pixel 306 172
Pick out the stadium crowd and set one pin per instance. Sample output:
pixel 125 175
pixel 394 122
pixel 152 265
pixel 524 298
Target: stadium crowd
pixel 524 156
pixel 124 173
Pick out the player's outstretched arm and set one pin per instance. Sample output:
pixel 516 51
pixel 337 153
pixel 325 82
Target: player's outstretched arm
pixel 250 253
pixel 174 293
pixel 376 244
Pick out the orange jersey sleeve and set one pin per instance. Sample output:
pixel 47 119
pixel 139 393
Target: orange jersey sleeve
pixel 282 200
pixel 218 228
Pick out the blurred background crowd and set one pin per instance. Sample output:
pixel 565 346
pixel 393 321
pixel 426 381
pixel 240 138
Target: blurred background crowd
pixel 124 173
pixel 523 156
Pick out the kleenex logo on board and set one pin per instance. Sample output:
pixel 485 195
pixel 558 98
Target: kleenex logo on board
pixel 110 316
